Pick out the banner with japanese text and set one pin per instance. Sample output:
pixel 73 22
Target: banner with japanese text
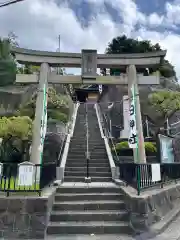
pixel 132 120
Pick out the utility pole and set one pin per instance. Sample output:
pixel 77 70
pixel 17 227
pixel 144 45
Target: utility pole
pixel 59 43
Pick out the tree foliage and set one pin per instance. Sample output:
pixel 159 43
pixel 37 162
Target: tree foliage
pixel 16 133
pixel 165 102
pixel 20 127
pixel 7 64
pixel 122 44
pixel 59 106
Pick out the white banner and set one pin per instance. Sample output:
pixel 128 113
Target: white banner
pixel 44 118
pixel 132 122
pixel 100 89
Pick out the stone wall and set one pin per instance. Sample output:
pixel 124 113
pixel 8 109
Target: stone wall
pixel 25 217
pixel 12 96
pixel 152 206
pixel 114 94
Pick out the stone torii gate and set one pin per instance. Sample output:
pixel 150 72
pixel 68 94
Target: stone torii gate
pixel 88 61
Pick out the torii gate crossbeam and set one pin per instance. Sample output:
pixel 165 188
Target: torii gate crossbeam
pixel 89 61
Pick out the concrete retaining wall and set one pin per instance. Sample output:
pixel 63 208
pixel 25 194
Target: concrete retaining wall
pixel 152 206
pixel 25 217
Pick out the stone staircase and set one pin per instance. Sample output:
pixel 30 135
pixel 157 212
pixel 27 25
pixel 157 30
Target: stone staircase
pixel 81 208
pixel 76 164
pixel 88 209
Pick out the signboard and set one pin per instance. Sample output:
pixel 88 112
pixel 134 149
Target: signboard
pixel 26 174
pixel 156 172
pixel 132 121
pixel 1 169
pixel 89 63
pixel 166 149
pixel 108 72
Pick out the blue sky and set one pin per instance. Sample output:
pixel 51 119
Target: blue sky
pixel 93 23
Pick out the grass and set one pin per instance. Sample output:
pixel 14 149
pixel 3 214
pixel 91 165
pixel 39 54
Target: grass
pixel 12 184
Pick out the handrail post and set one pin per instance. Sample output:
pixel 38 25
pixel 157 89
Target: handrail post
pixel 138 177
pixel 87 178
pixel 147 127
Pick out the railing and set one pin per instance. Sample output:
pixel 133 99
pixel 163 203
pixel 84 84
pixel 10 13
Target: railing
pixel 26 177
pixel 107 130
pixel 140 176
pixel 87 142
pixel 64 138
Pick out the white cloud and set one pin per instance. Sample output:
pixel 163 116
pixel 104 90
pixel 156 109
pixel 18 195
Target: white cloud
pixel 155 20
pixel 173 12
pixel 37 23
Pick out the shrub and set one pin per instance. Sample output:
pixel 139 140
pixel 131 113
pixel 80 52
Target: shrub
pixel 149 147
pixel 57 115
pixel 121 145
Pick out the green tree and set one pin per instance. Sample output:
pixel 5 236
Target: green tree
pixel 26 69
pixel 13 39
pixel 165 102
pixel 59 106
pixel 122 44
pixel 16 133
pixel 7 64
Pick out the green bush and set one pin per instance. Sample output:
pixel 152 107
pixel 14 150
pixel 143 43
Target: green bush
pixel 57 115
pixel 121 145
pixel 149 146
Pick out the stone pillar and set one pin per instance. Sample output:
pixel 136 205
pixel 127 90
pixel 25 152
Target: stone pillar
pixel 132 80
pixel 36 138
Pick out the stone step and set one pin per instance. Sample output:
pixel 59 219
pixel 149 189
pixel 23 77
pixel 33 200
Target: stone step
pixel 88 205
pixel 87 196
pixel 91 174
pixel 84 164
pixel 78 216
pixel 83 160
pixel 90 189
pixel 93 179
pixel 91 169
pixel 83 149
pixel 97 148
pixel 88 228
pixel 91 143
pixel 93 159
pixel 93 151
pixel 73 147
pixel 80 137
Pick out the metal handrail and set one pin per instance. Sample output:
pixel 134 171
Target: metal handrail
pixel 87 141
pixel 104 119
pixel 62 148
pixel 68 127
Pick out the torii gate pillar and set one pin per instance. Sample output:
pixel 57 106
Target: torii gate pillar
pixel 132 80
pixel 36 148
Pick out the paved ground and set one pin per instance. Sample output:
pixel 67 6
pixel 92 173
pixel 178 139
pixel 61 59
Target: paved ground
pixel 171 233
